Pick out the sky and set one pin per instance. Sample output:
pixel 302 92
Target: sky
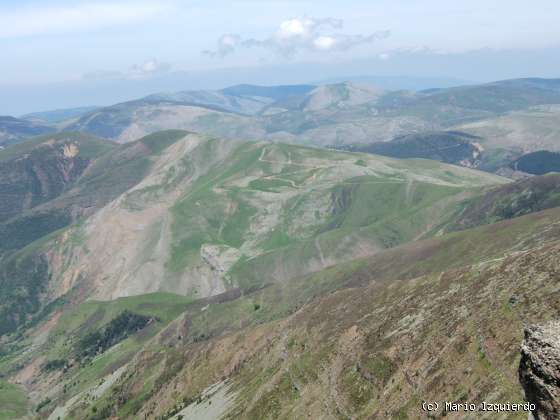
pixel 60 54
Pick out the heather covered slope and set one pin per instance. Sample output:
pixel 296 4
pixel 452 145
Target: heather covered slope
pixel 50 182
pixel 508 201
pixel 277 280
pixel 436 319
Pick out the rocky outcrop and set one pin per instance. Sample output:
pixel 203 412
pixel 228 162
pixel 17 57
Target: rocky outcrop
pixel 539 369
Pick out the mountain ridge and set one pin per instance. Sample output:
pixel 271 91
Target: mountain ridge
pixel 188 274
pixel 215 212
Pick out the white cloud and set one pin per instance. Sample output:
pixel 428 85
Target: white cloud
pixel 148 68
pixel 226 45
pixel 305 27
pixel 324 43
pixel 299 34
pixel 294 27
pixel 41 20
pixel 145 70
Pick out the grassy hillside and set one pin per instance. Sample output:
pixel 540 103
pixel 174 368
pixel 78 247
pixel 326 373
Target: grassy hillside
pixel 69 365
pixel 260 280
pixel 212 214
pixel 13 402
pixel 200 216
pixel 437 319
pixel 525 130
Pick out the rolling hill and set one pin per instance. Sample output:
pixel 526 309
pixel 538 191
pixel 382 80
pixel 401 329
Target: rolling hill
pixel 538 163
pixel 226 112
pixel 13 130
pixel 58 115
pixel 528 130
pixel 187 275
pixel 507 118
pixel 202 214
pixel 444 146
pixel 439 317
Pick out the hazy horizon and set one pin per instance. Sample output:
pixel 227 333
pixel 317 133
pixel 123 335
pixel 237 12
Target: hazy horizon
pixel 62 54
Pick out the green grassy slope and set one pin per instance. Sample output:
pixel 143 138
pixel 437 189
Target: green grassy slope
pixel 277 203
pixel 64 367
pixel 13 401
pixel 237 215
pixel 261 220
pixel 436 319
pixel 218 214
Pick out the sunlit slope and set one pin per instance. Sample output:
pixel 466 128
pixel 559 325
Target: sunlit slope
pixel 46 185
pixel 279 331
pixel 214 214
pixel 434 319
pixel 335 114
pixel 522 131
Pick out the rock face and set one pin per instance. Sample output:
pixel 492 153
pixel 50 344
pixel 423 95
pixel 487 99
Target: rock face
pixel 539 369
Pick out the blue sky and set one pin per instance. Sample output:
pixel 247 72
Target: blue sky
pixel 51 42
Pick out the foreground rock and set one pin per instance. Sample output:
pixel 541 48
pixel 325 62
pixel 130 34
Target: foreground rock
pixel 539 369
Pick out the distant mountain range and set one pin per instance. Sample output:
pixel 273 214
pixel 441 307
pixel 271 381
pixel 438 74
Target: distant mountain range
pixel 13 130
pixel 507 118
pixel 399 82
pixel 59 115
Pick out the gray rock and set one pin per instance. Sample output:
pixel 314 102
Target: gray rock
pixel 539 369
